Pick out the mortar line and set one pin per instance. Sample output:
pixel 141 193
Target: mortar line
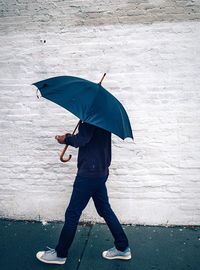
pixel 84 248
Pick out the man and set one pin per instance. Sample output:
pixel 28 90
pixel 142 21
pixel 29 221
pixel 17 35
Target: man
pixel 94 159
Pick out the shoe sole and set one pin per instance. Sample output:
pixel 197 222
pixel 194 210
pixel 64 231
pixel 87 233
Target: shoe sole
pixel 40 253
pixel 128 257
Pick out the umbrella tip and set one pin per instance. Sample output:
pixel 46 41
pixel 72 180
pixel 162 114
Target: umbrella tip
pixel 102 78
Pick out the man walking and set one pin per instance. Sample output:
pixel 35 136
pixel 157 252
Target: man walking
pixel 94 159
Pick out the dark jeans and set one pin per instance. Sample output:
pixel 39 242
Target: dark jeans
pixel 83 190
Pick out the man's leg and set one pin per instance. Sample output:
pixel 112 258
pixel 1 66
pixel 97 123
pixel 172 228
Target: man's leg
pixel 79 199
pixel 100 198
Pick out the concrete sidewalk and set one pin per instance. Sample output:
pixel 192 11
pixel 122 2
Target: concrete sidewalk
pixel 161 248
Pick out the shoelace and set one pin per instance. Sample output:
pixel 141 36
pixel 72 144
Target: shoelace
pixel 50 250
pixel 111 251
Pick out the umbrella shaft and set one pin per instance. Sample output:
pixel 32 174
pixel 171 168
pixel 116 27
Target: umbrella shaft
pixel 76 127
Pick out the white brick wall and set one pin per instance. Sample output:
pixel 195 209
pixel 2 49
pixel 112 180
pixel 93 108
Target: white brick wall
pixel 150 51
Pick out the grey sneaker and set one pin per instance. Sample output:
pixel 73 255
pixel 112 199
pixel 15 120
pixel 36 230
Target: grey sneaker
pixel 113 253
pixel 50 256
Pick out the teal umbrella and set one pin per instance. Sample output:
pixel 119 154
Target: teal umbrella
pixel 89 101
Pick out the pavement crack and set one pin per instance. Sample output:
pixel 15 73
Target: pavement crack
pixel 84 248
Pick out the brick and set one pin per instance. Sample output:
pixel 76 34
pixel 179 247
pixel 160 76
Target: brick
pixel 150 51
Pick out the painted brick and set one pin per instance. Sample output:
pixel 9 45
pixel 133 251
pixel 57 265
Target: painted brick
pixel 150 51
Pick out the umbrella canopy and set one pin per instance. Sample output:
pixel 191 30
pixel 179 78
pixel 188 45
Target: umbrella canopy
pixel 89 101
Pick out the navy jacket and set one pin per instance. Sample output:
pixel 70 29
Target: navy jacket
pixel 94 156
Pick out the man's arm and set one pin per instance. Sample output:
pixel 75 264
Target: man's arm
pixel 84 135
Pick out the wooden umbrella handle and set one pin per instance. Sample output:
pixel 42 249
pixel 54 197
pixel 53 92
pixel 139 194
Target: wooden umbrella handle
pixel 66 146
pixel 62 155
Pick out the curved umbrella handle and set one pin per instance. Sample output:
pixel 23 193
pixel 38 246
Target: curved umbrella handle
pixel 66 146
pixel 62 155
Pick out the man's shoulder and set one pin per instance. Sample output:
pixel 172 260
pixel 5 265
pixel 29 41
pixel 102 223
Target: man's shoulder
pixel 86 128
pixel 99 130
pixel 87 125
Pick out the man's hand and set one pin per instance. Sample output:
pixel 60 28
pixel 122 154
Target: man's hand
pixel 60 139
